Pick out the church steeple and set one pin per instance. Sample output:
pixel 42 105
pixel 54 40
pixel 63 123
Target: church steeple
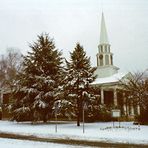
pixel 103 32
pixel 104 57
pixel 105 67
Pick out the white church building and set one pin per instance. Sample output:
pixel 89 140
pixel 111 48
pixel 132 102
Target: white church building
pixel 109 77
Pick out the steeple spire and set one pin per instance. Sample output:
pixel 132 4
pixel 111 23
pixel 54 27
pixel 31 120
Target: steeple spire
pixel 104 57
pixel 103 32
pixel 105 67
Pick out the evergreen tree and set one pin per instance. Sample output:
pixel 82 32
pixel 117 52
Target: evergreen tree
pixel 77 81
pixel 39 81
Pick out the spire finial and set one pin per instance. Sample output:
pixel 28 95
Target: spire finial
pixel 103 32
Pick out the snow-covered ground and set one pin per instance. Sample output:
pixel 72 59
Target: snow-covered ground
pixel 128 133
pixel 12 143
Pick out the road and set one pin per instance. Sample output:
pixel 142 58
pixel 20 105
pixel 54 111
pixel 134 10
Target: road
pixel 15 143
pixel 15 140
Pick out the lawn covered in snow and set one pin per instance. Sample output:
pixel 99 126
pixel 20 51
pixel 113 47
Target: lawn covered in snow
pixel 101 131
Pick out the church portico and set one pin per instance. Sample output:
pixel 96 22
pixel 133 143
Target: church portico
pixel 112 96
pixel 106 96
pixel 109 96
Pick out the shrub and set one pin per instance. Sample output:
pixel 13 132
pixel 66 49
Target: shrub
pixel 99 113
pixel 143 117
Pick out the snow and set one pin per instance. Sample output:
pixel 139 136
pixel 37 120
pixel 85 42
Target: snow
pixel 114 78
pixel 12 143
pixel 22 109
pixel 40 104
pixel 101 131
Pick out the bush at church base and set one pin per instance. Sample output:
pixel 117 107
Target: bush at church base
pixel 143 117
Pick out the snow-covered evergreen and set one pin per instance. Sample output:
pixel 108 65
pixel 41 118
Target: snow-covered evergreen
pixel 39 81
pixel 79 75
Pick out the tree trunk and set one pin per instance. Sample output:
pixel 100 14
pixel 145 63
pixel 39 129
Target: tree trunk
pixel 78 112
pixel 78 104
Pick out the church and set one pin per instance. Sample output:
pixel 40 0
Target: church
pixel 109 77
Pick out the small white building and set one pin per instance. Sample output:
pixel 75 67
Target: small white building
pixel 108 76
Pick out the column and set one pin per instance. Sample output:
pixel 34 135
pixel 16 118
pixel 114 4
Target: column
pixel 127 110
pixel 103 55
pixel 124 104
pixel 109 59
pixel 1 97
pixel 124 109
pixel 138 109
pixel 115 97
pixel 104 60
pixel 132 109
pixel 98 64
pixel 102 96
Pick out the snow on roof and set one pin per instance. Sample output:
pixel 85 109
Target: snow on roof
pixel 111 79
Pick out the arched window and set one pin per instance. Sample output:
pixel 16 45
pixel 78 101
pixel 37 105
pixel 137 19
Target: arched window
pixel 106 60
pixel 101 48
pixel 109 48
pixel 105 48
pixel 101 60
pixel 111 57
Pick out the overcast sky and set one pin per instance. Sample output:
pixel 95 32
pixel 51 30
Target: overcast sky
pixel 71 21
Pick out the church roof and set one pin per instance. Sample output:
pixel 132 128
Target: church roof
pixel 103 32
pixel 111 79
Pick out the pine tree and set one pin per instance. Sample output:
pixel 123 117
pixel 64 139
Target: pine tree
pixel 78 78
pixel 39 81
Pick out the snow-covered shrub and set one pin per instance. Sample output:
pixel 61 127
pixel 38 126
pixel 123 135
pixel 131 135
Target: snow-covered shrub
pixel 65 110
pixel 22 114
pixel 98 113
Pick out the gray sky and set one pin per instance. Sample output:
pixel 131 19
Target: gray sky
pixel 71 21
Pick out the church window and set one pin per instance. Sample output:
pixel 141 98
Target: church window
pixel 108 48
pixel 101 60
pixel 101 48
pixel 111 57
pixel 105 48
pixel 106 59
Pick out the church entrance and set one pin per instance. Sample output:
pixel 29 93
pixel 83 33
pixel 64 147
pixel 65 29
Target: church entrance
pixel 108 98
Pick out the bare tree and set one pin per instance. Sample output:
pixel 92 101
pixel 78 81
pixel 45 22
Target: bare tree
pixel 13 66
pixel 136 90
pixel 10 65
